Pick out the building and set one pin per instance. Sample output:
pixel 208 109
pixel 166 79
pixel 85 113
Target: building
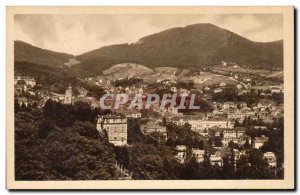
pixel 82 92
pixel 133 115
pixel 28 80
pixel 68 96
pixel 236 135
pixel 216 160
pixel 20 88
pixel 56 97
pixel 22 101
pixel 200 125
pixel 240 114
pixel 222 84
pixel 260 128
pixel 228 105
pixel 154 127
pixel 218 90
pixel 115 127
pixel 198 154
pixel 242 104
pixel 271 158
pixel 239 86
pixel 181 153
pixel 276 89
pixel 259 141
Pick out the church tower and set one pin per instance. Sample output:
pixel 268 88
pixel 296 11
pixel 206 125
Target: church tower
pixel 68 96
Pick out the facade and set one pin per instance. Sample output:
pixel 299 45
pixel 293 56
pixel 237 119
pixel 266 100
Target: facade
pixel 236 135
pixel 271 158
pixel 259 141
pixel 198 154
pixel 68 96
pixel 200 125
pixel 181 153
pixel 115 127
pixel 154 127
pixel 218 90
pixel 28 80
pixel 216 160
pixel 240 114
pixel 228 105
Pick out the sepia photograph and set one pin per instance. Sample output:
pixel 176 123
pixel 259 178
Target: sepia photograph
pixel 150 98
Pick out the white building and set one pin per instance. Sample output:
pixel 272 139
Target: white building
pixel 236 135
pixel 28 80
pixel 181 153
pixel 68 96
pixel 218 90
pixel 198 154
pixel 216 160
pixel 115 127
pixel 271 158
pixel 259 141
pixel 200 125
pixel 154 127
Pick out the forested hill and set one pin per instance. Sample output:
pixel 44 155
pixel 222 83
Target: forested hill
pixel 29 53
pixel 198 45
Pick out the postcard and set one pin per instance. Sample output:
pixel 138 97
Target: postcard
pixel 150 98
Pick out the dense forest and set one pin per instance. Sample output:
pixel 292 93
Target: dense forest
pixel 26 52
pixel 60 142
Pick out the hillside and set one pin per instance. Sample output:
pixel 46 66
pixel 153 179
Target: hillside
pixel 198 45
pixel 29 53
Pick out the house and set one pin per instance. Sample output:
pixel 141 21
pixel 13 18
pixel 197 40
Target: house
pixel 206 88
pixel 239 114
pixel 198 154
pixel 199 125
pixel 30 81
pixel 152 127
pixel 258 142
pixel 271 158
pixel 134 115
pixel 239 86
pixel 22 101
pixel 82 92
pixel 115 127
pixel 181 153
pixel 222 84
pixel 242 104
pixel 260 127
pixel 69 96
pixel 236 135
pixel 218 90
pixel 227 105
pixel 224 63
pixel 216 160
pixel 20 88
pixel 174 89
pixel 56 97
pixel 276 89
pixel 130 113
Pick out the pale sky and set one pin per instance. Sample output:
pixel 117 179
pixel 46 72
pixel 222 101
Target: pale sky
pixel 76 34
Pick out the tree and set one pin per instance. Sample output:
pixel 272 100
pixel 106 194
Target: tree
pixel 50 109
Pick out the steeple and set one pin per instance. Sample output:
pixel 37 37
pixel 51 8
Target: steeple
pixel 68 95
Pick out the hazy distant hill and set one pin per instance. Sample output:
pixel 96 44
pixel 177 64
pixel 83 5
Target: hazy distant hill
pixel 198 45
pixel 29 53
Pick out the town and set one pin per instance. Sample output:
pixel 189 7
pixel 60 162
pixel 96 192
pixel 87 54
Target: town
pixel 240 115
